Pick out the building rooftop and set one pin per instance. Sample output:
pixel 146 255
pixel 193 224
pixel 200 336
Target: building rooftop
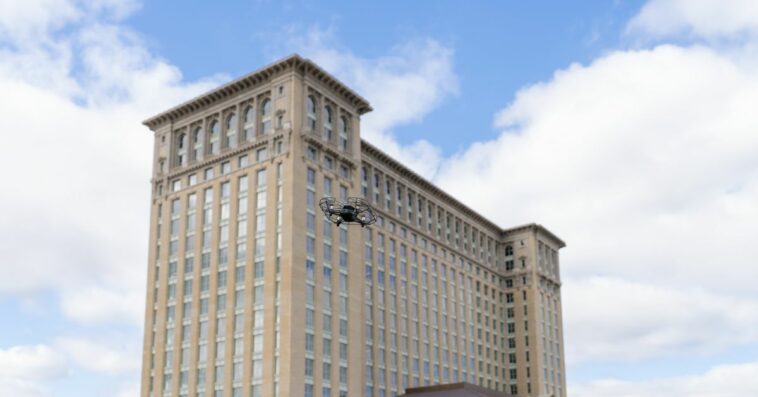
pixel 453 390
pixel 436 190
pixel 294 61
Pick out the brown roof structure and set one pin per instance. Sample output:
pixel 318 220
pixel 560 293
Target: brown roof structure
pixel 453 390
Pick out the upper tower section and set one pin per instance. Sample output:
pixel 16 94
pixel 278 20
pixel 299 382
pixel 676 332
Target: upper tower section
pixel 262 108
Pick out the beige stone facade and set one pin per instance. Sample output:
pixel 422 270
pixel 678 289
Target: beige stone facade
pixel 252 293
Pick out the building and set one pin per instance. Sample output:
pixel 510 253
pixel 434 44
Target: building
pixel 252 293
pixel 461 389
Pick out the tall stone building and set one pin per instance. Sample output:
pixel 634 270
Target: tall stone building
pixel 251 292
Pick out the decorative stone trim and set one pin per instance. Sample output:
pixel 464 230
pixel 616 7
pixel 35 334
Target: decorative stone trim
pixel 264 75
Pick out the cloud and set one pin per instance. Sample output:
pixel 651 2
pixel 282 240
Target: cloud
pixel 608 319
pixel 712 19
pixel 35 370
pixel 24 370
pixel 78 159
pixel 94 304
pixel 75 160
pixel 646 163
pixel 403 86
pixel 101 357
pixel 132 390
pixel 735 380
pixel 31 19
pixel 31 362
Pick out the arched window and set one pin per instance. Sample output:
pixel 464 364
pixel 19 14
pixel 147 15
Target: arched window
pixel 181 149
pixel 231 130
pixel 266 117
pixel 310 110
pixel 343 129
pixel 508 250
pixel 249 123
pixel 327 123
pixel 214 140
pixel 197 144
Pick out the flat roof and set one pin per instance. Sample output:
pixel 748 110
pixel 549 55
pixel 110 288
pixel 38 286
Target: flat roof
pixel 462 389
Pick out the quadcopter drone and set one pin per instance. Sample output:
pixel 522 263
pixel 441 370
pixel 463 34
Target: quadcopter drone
pixel 355 211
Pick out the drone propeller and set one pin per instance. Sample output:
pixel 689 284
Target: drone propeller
pixel 354 210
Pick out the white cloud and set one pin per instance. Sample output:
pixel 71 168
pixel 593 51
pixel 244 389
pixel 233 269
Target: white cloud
pixel 76 161
pixel 700 18
pixel 737 380
pixel 78 158
pixel 403 86
pixel 132 390
pixel 25 370
pixel 646 163
pixel 101 357
pixel 95 304
pixel 608 319
pixel 28 19
pixel 31 362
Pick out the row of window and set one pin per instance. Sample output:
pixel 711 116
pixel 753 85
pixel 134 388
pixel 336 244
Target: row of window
pixel 195 144
pixel 422 212
pixel 210 139
pixel 200 309
pixel 375 277
pixel 327 123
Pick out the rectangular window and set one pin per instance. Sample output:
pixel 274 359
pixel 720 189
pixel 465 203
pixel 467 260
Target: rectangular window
pixel 261 155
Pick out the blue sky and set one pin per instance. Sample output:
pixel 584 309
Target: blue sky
pixel 626 127
pixel 499 46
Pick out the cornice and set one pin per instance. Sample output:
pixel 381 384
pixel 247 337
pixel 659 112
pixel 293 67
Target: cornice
pixel 265 74
pixel 536 228
pixel 404 171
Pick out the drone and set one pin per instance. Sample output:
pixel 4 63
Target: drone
pixel 355 211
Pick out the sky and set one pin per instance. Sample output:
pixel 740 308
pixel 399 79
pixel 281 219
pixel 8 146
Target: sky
pixel 628 128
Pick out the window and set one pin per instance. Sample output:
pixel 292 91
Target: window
pixel 197 144
pixel 266 117
pixel 310 109
pixel 327 123
pixel 261 154
pixel 249 127
pixel 343 130
pixel 509 250
pixel 214 138
pixel 311 153
pixel 311 177
pixel 181 149
pixel 231 130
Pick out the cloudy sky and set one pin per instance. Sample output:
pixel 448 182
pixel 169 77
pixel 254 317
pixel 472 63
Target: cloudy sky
pixel 629 128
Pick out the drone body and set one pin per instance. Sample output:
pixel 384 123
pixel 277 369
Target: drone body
pixel 355 211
